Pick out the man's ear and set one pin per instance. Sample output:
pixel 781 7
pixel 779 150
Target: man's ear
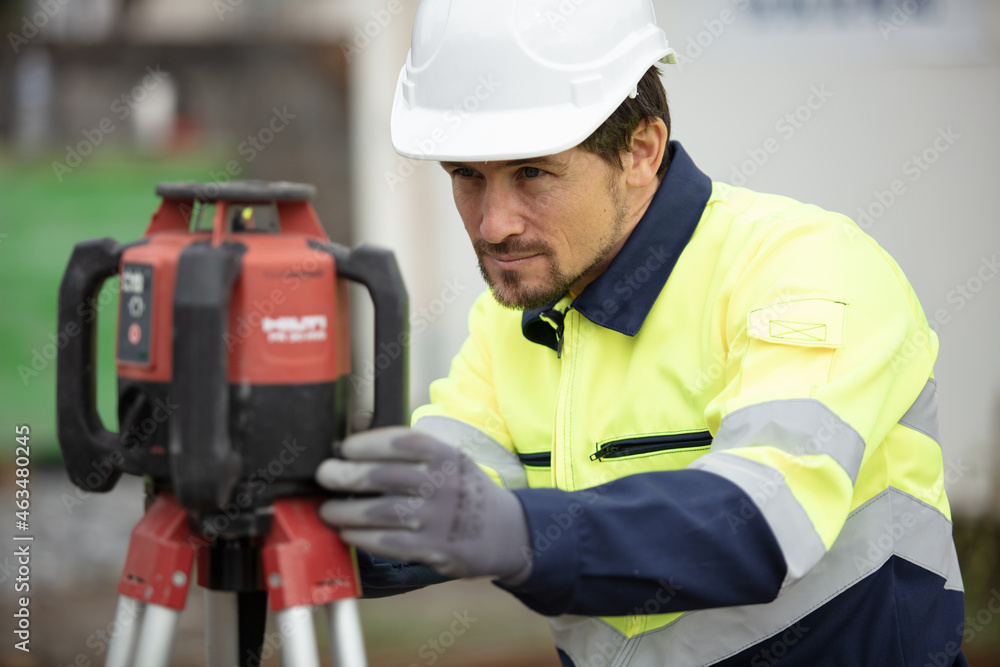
pixel 649 147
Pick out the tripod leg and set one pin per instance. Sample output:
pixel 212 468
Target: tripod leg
pixel 221 632
pixel 347 644
pixel 157 638
pixel 307 564
pixel 298 646
pixel 128 618
pixel 154 584
pixel 253 622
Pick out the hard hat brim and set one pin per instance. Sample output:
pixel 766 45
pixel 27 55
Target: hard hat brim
pixel 463 134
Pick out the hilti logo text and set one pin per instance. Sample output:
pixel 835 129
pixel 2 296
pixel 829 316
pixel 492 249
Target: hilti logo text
pixel 294 329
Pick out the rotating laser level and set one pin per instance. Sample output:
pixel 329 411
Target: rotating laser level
pixel 233 359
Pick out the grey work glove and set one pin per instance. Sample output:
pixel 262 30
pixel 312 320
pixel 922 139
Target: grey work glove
pixel 439 507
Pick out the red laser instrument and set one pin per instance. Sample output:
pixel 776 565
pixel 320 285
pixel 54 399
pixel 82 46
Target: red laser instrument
pixel 233 360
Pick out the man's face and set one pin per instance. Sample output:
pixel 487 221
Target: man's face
pixel 541 226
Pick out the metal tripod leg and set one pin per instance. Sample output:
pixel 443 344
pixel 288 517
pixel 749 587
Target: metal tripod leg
pixel 156 641
pixel 153 587
pixel 347 644
pixel 298 642
pixel 128 621
pixel 307 564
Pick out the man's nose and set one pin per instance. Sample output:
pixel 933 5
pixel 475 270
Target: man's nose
pixel 502 214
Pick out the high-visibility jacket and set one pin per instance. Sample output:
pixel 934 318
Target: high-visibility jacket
pixel 726 446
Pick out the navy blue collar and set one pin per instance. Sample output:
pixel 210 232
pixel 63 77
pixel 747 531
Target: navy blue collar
pixel 620 298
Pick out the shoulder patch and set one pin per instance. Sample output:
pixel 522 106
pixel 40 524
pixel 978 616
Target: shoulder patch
pixel 809 322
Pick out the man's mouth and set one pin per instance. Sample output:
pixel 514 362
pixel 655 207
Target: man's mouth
pixel 512 261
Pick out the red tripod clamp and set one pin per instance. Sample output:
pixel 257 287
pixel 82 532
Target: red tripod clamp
pixel 160 556
pixel 305 561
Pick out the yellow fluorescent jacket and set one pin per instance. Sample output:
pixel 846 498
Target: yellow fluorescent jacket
pixel 787 357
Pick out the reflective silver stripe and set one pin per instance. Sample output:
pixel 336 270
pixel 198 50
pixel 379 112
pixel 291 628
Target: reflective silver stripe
pixel 799 426
pixel 591 641
pixel 483 449
pixel 800 544
pixel 891 523
pixel 922 415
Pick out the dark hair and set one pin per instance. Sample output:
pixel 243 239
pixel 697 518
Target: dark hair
pixel 614 136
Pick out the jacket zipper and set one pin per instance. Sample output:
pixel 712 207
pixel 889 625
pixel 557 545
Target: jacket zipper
pixel 647 445
pixel 556 319
pixel 562 435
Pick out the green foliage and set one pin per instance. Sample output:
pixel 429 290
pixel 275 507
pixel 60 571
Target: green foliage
pixel 41 219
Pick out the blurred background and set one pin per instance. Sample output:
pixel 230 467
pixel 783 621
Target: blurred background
pixel 884 110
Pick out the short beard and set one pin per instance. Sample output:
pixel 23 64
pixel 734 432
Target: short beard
pixel 507 289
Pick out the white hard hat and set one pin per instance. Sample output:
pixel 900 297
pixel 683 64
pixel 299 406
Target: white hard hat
pixel 509 79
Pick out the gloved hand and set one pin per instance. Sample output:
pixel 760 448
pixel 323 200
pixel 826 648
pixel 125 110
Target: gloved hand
pixel 439 507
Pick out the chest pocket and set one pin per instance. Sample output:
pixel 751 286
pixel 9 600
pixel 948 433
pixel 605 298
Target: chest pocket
pixel 672 451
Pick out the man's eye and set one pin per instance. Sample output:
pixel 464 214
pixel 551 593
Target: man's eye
pixel 464 172
pixel 532 172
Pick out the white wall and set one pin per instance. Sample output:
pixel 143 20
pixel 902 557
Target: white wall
pixel 405 204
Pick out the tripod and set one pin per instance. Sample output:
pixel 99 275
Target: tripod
pixel 305 565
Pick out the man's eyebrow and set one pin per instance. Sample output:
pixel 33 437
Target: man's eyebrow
pixel 543 161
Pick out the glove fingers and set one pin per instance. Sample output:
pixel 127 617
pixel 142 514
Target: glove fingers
pixel 375 444
pixel 369 513
pixel 366 477
pixel 400 545
pixel 395 443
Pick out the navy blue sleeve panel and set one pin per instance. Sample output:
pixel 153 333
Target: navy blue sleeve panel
pixel 382 577
pixel 564 660
pixel 898 616
pixel 650 543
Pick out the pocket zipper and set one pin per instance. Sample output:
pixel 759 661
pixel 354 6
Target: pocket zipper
pixel 649 444
pixel 536 460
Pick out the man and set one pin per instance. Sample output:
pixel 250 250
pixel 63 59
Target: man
pixel 709 415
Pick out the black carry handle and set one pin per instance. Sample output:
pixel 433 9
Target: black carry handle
pixel 376 269
pixel 204 467
pixel 92 454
